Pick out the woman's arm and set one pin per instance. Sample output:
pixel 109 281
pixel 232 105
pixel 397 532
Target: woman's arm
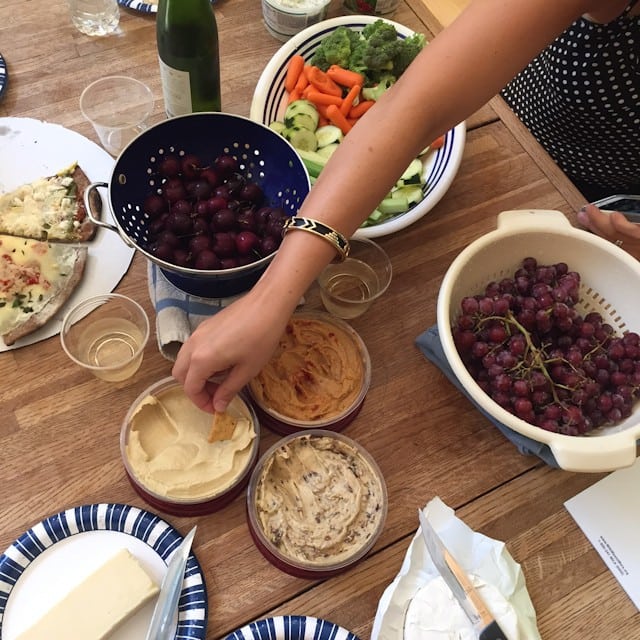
pixel 454 75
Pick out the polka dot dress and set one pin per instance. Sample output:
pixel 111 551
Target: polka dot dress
pixel 580 98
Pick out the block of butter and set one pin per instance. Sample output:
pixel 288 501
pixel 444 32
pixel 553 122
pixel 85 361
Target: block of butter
pixel 96 606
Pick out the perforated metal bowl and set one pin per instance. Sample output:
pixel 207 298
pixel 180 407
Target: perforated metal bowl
pixel 264 157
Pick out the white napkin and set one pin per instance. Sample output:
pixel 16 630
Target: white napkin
pixel 486 560
pixel 178 313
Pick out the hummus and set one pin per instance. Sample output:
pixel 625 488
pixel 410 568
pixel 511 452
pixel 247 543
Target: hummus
pixel 316 372
pixel 318 500
pixel 169 452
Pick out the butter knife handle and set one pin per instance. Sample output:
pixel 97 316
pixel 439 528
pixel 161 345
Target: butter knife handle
pixel 492 632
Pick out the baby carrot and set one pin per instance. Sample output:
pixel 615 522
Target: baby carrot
pixel 437 143
pixel 344 77
pixel 336 117
pixel 322 82
pixel 317 97
pixel 361 108
pixel 294 69
pixel 349 99
pixel 293 96
pixel 302 81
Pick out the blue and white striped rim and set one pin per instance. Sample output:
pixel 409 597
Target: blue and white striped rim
pixel 138 5
pixel 292 628
pixel 270 99
pixel 142 7
pixel 4 77
pixel 145 526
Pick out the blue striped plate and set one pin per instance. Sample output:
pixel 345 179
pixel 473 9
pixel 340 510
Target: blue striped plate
pixel 4 77
pixel 292 628
pixel 49 558
pixel 141 6
pixel 270 101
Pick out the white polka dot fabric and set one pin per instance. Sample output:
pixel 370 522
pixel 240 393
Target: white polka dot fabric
pixel 580 98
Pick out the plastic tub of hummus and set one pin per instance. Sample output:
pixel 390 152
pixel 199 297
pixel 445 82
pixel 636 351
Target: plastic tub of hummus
pixel 177 461
pixel 316 503
pixel 317 378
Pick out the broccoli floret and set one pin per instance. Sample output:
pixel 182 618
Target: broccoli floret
pixel 336 48
pixel 409 49
pixel 374 93
pixel 382 46
pixel 374 52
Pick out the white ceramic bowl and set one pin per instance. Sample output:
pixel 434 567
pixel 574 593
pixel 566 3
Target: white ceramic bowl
pixel 269 103
pixel 610 278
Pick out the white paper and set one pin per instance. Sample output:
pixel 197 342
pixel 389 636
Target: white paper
pixel 481 556
pixel 608 513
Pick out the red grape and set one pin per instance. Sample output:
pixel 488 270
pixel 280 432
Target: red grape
pixel 524 342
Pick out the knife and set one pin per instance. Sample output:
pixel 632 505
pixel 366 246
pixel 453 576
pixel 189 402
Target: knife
pixel 460 584
pixel 161 625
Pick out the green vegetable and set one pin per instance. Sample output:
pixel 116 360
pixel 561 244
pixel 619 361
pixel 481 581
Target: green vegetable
pixel 374 52
pixel 336 48
pixel 374 92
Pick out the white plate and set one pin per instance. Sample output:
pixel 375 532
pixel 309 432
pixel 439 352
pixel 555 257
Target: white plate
pixel 56 554
pixel 32 149
pixel 292 628
pixel 270 100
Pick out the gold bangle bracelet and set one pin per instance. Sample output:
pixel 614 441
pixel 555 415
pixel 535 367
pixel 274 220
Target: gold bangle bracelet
pixel 335 238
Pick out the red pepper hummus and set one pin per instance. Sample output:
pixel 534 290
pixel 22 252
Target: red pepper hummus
pixel 316 373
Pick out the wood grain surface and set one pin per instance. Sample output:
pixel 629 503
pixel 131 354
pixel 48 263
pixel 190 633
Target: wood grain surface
pixel 59 427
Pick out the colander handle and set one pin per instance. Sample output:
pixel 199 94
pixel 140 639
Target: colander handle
pixel 87 205
pixel 511 221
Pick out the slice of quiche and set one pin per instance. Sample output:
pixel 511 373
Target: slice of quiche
pixel 36 279
pixel 50 208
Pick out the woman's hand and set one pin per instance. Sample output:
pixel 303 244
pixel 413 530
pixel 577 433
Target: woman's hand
pixel 612 226
pixel 233 346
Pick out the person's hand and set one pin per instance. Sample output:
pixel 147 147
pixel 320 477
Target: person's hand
pixel 612 226
pixel 233 346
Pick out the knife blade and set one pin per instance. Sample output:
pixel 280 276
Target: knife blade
pixel 161 625
pixel 460 584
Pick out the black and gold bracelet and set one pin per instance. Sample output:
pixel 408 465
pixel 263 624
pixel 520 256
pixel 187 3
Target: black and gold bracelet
pixel 337 240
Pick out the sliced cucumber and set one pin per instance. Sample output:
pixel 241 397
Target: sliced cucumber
pixel 328 134
pixel 301 139
pixel 277 126
pixel 412 193
pixel 391 206
pixel 313 161
pixel 302 121
pixel 413 173
pixel 327 150
pixel 298 107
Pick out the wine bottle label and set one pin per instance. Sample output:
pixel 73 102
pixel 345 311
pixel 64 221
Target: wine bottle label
pixel 176 88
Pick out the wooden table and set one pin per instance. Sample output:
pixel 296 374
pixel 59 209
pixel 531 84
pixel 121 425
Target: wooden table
pixel 59 427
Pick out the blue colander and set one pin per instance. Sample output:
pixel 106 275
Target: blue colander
pixel 264 156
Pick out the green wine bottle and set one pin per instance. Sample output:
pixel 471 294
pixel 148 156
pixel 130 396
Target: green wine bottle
pixel 187 38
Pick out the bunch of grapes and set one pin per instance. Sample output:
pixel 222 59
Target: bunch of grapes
pixel 209 217
pixel 524 343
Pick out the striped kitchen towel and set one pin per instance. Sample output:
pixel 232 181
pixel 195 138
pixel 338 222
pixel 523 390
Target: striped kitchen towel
pixel 178 313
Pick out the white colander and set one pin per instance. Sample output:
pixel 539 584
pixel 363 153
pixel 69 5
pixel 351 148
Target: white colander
pixel 610 286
